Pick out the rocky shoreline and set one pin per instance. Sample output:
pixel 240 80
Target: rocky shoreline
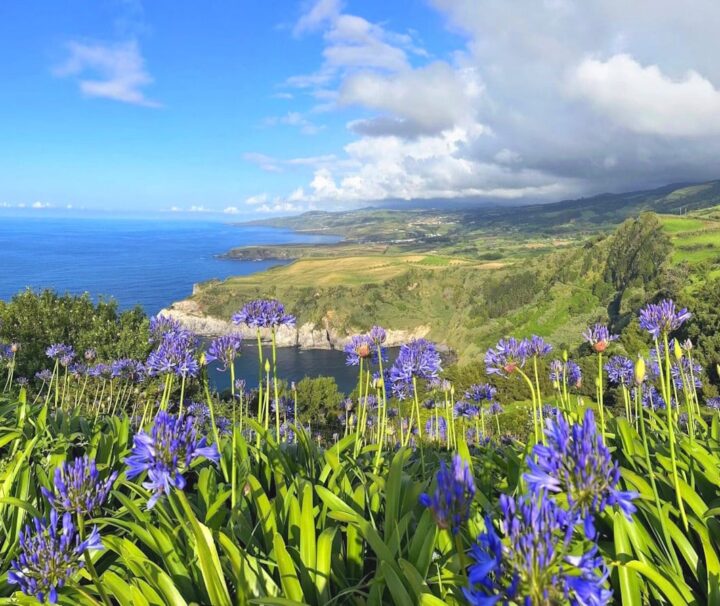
pixel 304 336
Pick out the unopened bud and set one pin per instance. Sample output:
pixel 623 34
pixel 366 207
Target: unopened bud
pixel 640 370
pixel 565 355
pixel 267 365
pixel 678 350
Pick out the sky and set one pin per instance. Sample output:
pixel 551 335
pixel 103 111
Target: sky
pixel 250 109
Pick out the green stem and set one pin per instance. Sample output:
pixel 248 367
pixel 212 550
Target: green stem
pixel 90 566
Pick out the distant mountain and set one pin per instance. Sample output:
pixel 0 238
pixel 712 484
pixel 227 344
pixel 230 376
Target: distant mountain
pixel 568 216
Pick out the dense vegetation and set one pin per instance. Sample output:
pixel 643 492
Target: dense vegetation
pixel 115 489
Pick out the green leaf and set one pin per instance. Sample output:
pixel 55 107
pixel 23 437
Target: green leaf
pixel 288 575
pixel 629 582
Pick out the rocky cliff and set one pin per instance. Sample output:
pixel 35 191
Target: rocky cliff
pixel 305 336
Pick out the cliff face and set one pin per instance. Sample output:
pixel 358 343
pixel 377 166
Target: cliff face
pixel 305 336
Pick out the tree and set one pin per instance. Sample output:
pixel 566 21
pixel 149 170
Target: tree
pixel 317 396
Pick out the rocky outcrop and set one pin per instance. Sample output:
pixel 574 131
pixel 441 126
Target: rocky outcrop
pixel 305 336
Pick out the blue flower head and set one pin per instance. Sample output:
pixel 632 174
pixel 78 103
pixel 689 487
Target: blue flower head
pixel 50 554
pixel 481 392
pixel 530 562
pixel 224 349
pixel 166 453
pixel 599 337
pixel 263 313
pixel 507 356
pixel 620 370
pixel 662 318
pixel 565 373
pixel 576 462
pixel 452 499
pixel 78 488
pixel 418 359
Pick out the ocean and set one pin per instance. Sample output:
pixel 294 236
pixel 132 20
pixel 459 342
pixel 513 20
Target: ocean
pixel 150 263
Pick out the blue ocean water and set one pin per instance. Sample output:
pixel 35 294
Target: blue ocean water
pixel 138 262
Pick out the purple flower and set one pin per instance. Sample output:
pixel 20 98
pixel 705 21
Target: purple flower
pixel 691 370
pixel 263 313
pixel 575 461
pixel 418 359
pixel 495 408
pixel 713 403
pixel 599 337
pixel 44 375
pixel 436 429
pixel 481 392
pixel 620 370
pixel 60 351
pixel 359 348
pixel 377 335
pixel 22 381
pixel 507 356
pixel 166 453
pixel 565 373
pixel 466 410
pixel 651 398
pixel 50 554
pixel 174 354
pixel 662 318
pixel 162 326
pixel 453 496
pixel 78 488
pixel 224 349
pixel 531 563
pixel 537 346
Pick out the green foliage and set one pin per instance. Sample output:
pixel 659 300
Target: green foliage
pixel 317 396
pixel 37 319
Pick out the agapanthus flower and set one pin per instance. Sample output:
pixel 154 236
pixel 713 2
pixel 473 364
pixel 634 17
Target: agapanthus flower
pixel 240 385
pixel 663 318
pixel 690 369
pixel 575 461
pixel 713 403
pixel 599 337
pixel 78 488
pixel 162 326
pixel 620 370
pixel 377 335
pixel 418 359
pixel 174 354
pixel 359 347
pixel 22 381
pixel 428 404
pixel 481 392
pixel 565 372
pixel 532 562
pixel 436 429
pixel 45 375
pixel 200 412
pixel 453 496
pixel 495 408
pixel 224 349
pixel 166 453
pixel 537 346
pixel 507 356
pixel 59 350
pixel 466 410
pixel 651 398
pixel 263 313
pixel 50 554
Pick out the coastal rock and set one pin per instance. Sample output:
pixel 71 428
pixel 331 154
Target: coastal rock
pixel 305 336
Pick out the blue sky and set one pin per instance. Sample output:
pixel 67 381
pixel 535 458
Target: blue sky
pixel 250 108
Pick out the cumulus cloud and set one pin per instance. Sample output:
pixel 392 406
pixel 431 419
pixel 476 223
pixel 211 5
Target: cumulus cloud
pixel 109 71
pixel 645 100
pixel 541 99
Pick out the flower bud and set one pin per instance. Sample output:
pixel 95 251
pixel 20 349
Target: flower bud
pixel 565 355
pixel 267 365
pixel 678 350
pixel 640 370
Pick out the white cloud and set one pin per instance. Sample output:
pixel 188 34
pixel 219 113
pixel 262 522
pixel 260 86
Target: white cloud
pixel 199 209
pixel 175 209
pixel 280 207
pixel 297 120
pixel 319 13
pixel 265 162
pixel 231 210
pixel 41 205
pixel 119 71
pixel 645 100
pixel 257 199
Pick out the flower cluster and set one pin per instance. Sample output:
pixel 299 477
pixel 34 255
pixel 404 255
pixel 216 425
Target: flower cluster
pixel 620 370
pixel 174 352
pixel 565 373
pixel 453 496
pixel 574 460
pixel 436 429
pixel 465 410
pixel 78 488
pixel 224 350
pixel 418 359
pixel 537 346
pixel 531 563
pixel 50 554
pixel 662 318
pixel 481 392
pixel 166 453
pixel 691 371
pixel 263 313
pixel 599 337
pixel 507 356
pixel 713 403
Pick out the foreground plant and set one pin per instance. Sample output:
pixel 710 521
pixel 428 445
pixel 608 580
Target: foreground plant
pixel 51 552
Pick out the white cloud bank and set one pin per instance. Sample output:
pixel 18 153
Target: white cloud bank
pixel 541 99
